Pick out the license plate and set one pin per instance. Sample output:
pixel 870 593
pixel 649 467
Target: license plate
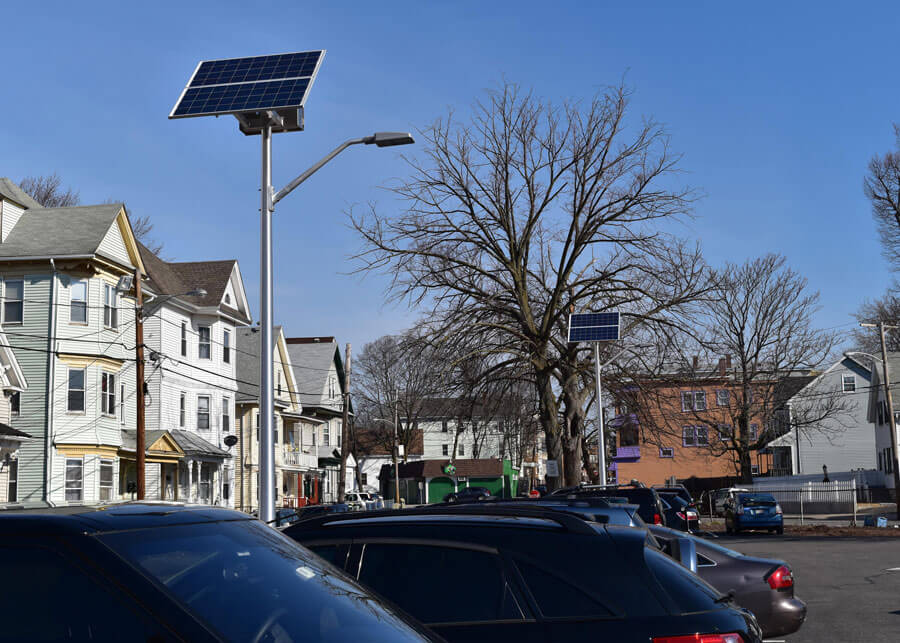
pixel 759 511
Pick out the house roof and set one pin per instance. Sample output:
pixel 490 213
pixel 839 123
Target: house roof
pixel 173 278
pixel 248 339
pixel 193 444
pixel 129 438
pixel 43 232
pixel 11 190
pixel 312 358
pixel 788 387
pixel 6 431
pixel 487 467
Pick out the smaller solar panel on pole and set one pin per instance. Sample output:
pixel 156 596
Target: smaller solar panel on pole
pixel 593 327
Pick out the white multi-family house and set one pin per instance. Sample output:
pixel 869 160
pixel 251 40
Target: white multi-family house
pixel 879 414
pixel 319 373
pixel 296 463
pixel 12 384
pixel 191 375
pixel 72 333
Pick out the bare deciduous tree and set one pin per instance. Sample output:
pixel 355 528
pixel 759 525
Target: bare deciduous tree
pixel 882 187
pixel 143 228
pixel 507 215
pixel 48 191
pixel 886 309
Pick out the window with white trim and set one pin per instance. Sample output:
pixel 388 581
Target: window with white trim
pixel 666 452
pixel 184 339
pixel 326 434
pixel 226 414
pixel 13 301
pixel 75 399
pixel 106 480
pixel 182 403
pixel 723 398
pixel 78 292
pixel 445 449
pixel 693 400
pixel 12 480
pixel 726 431
pixel 74 479
pixel 203 412
pixel 754 469
pixel 108 394
pixel 110 306
pixel 848 383
pixel 462 449
pixel 204 346
pixel 121 403
pixel 694 436
pixel 15 401
pixel 226 346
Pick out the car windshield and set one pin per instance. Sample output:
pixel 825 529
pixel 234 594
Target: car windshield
pixel 756 499
pixel 251 583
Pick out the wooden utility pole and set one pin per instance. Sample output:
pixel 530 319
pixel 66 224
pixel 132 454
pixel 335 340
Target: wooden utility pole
pixel 396 450
pixel 890 410
pixel 139 446
pixel 345 429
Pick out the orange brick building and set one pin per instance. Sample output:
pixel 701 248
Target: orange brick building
pixel 680 426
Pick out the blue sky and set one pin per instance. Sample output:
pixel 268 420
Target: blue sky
pixel 776 108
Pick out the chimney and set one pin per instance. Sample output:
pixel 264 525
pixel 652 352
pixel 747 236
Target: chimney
pixel 728 362
pixel 722 366
pixel 696 362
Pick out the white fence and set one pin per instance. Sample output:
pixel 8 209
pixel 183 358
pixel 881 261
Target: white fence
pixel 803 499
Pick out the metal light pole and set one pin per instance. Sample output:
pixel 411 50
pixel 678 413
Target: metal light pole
pixel 601 437
pixel 268 199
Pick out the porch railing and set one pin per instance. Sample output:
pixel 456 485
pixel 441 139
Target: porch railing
pixel 297 458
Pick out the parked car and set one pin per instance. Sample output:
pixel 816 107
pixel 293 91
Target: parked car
pixel 285 516
pixel 722 496
pixel 650 505
pixel 468 494
pixel 357 500
pixel 483 572
pixel 677 489
pixel 169 572
pixel 589 508
pixel 311 511
pixel 679 513
pixel 753 511
pixel 762 585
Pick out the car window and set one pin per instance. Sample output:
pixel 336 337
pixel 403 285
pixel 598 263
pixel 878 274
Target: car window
pixel 251 583
pixel 690 593
pixel 703 561
pixel 557 598
pixel 440 584
pixel 334 554
pixel 50 599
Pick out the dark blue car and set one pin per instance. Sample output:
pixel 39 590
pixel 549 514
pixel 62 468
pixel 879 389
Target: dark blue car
pixel 753 511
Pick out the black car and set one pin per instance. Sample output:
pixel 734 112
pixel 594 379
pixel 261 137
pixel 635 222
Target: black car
pixel 677 489
pixel 468 493
pixel 482 572
pixel 764 586
pixel 650 505
pixel 679 514
pixel 167 572
pixel 595 509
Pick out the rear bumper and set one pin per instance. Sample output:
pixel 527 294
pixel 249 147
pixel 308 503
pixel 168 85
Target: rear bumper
pixel 746 522
pixel 786 617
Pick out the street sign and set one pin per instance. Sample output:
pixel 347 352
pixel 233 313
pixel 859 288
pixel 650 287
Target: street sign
pixel 450 469
pixel 593 327
pixel 552 468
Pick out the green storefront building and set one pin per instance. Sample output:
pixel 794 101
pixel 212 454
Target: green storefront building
pixel 428 481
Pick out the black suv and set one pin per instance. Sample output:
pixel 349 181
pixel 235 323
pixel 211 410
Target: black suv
pixel 483 572
pixel 651 508
pixel 468 493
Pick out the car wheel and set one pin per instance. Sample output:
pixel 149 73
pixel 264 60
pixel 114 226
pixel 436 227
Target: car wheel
pixel 728 528
pixel 780 530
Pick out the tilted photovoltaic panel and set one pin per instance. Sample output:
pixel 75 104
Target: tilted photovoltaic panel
pixel 253 84
pixel 593 327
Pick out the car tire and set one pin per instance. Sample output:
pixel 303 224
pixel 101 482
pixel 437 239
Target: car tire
pixel 728 528
pixel 780 530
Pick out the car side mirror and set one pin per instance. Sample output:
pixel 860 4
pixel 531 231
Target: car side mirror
pixel 684 550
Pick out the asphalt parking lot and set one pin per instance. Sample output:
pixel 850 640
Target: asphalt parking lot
pixel 849 590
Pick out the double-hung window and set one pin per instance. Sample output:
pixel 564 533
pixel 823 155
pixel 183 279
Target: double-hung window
pixel 226 346
pixel 444 427
pixel 204 348
pixel 74 479
pixel 445 449
pixel 15 401
pixel 693 400
pixel 13 301
pixel 203 412
pixel 110 307
pixel 226 414
pixel 326 435
pixel 848 383
pixel 754 432
pixel 182 402
pixel 725 432
pixel 462 448
pixel 78 302
pixel 722 398
pixel 694 436
pixel 75 401
pixel 121 403
pixel 12 480
pixel 106 480
pixel 184 339
pixel 108 394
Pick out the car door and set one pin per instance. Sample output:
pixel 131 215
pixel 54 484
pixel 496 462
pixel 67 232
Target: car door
pixel 463 592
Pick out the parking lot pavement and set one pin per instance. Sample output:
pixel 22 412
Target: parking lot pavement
pixel 849 591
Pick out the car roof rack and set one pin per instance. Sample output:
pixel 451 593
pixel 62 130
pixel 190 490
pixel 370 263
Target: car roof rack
pixel 568 521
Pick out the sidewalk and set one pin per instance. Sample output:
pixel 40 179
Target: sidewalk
pixel 888 510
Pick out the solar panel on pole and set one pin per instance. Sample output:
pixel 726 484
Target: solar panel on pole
pixel 593 327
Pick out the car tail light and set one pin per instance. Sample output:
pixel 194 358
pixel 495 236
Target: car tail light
pixel 701 638
pixel 657 519
pixel 781 578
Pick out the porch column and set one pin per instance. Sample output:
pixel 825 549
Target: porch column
pixel 190 480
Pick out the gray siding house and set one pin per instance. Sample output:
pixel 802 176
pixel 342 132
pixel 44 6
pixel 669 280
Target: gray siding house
pixel 883 450
pixel 843 442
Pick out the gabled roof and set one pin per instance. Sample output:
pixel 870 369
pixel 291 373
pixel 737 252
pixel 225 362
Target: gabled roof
pixel 174 278
pixel 47 232
pixel 248 340
pixel 312 359
pixel 11 191
pixel 8 432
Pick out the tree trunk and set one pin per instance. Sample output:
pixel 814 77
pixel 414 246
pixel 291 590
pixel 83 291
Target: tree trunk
pixel 548 412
